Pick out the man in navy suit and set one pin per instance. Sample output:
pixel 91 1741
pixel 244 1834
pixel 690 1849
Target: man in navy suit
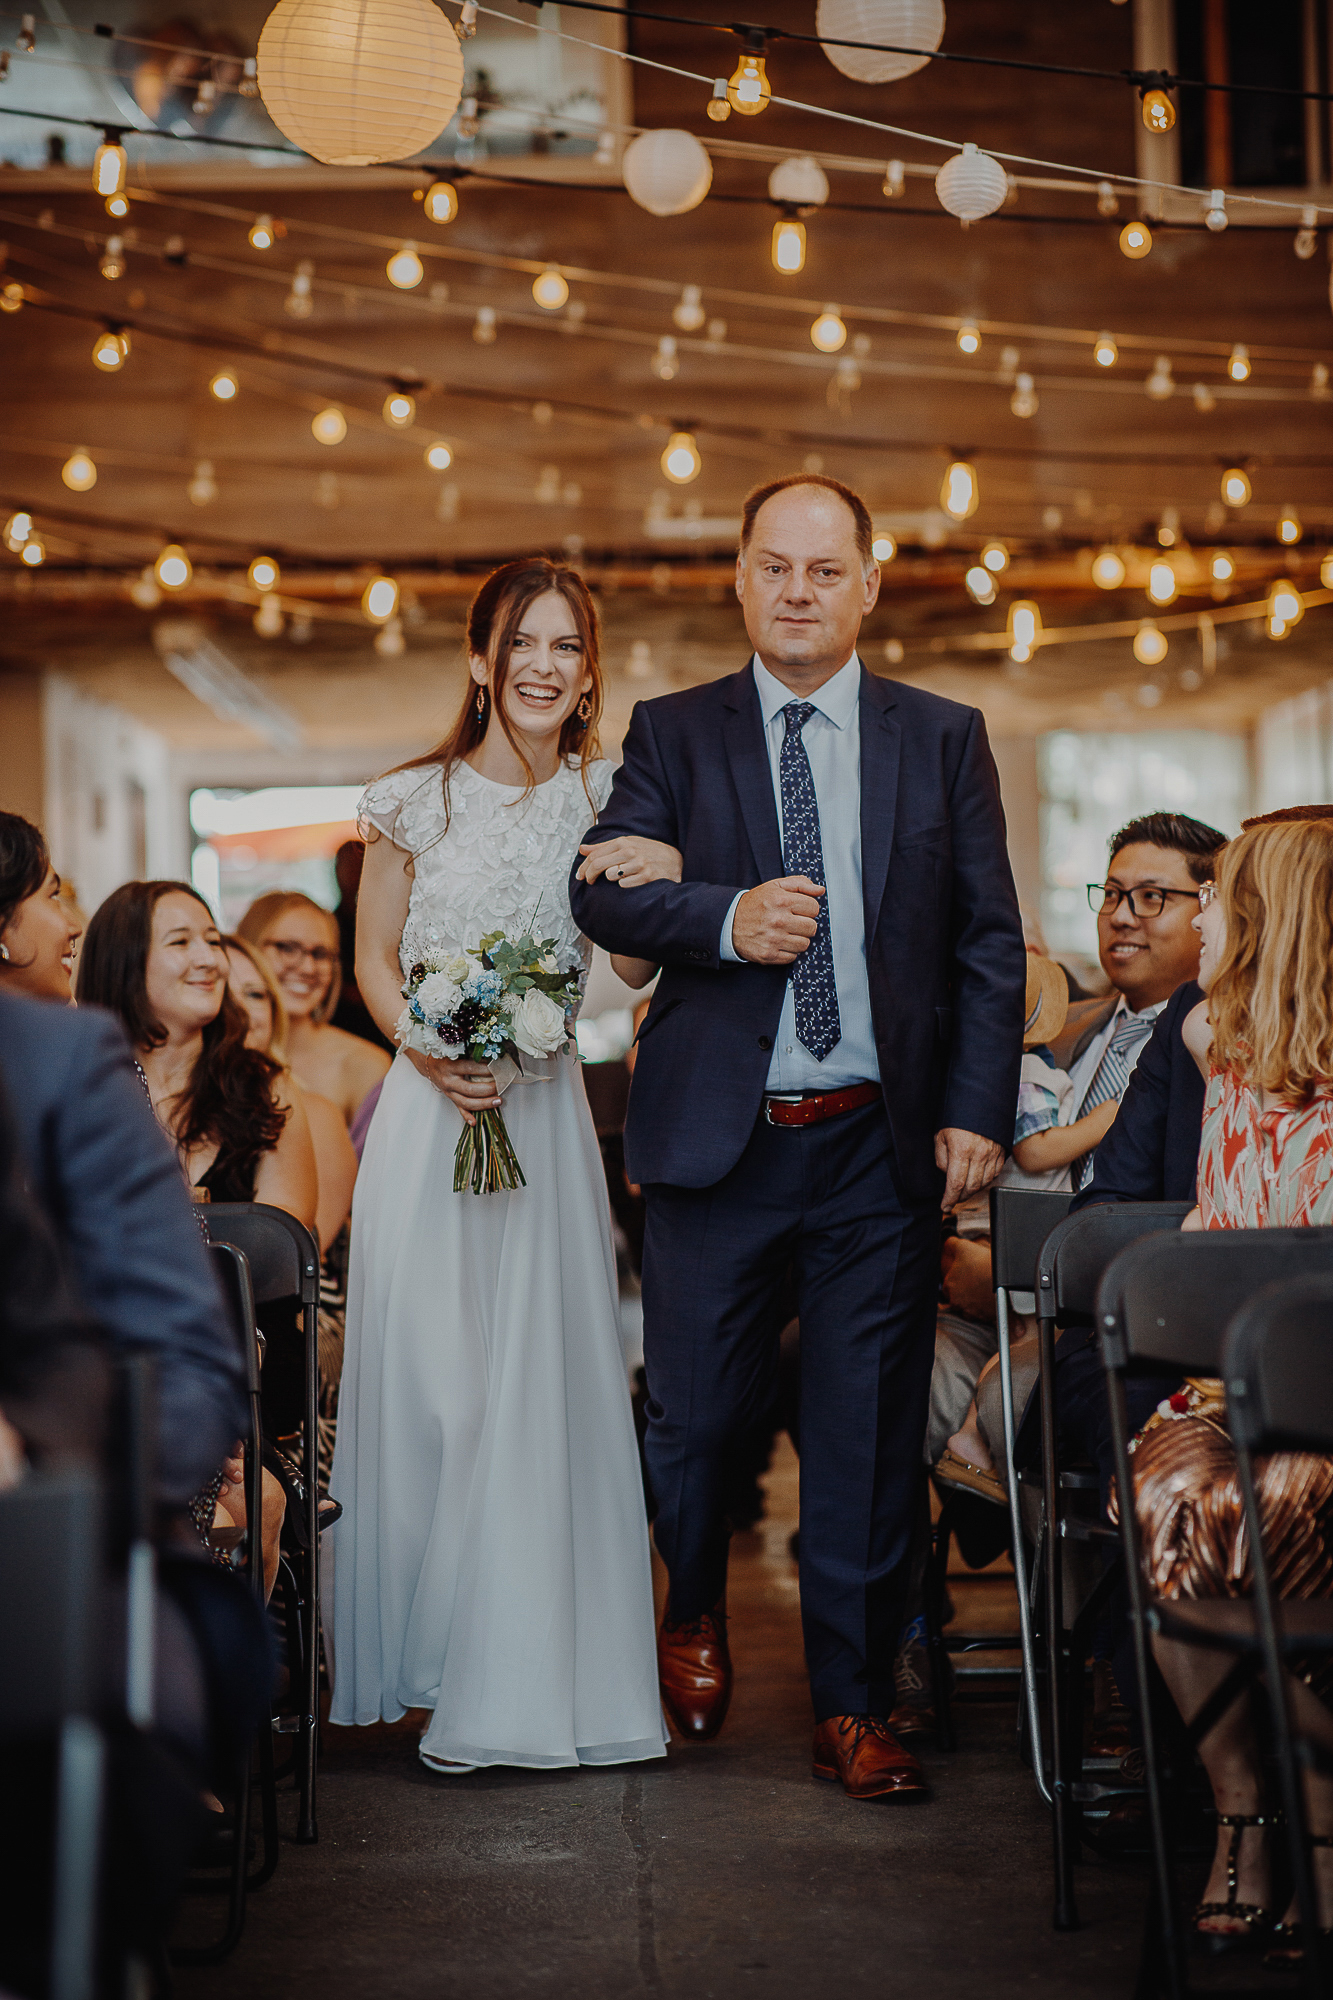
pixel 831 1055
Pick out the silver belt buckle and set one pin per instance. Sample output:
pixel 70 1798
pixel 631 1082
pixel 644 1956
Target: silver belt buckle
pixel 780 1097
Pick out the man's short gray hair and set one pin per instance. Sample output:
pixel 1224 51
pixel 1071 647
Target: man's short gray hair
pixel 865 533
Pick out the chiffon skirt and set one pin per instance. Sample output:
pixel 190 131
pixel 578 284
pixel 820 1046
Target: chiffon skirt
pixel 492 1560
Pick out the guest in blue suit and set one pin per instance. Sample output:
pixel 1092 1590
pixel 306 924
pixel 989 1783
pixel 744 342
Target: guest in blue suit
pixel 831 1056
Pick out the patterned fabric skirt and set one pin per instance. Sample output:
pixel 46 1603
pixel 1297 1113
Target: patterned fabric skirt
pixel 332 1332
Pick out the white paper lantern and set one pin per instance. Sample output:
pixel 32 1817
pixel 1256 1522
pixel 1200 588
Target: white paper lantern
pixel 904 24
pixel 800 180
pixel 356 81
pixel 971 184
pixel 668 173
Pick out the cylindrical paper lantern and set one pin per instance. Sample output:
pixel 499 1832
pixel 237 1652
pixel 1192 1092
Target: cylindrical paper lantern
pixel 800 180
pixel 667 173
pixel 971 184
pixel 904 24
pixel 356 81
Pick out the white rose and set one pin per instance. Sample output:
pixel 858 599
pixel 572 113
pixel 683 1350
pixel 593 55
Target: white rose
pixel 437 996
pixel 547 962
pixel 413 1034
pixel 539 1024
pixel 457 969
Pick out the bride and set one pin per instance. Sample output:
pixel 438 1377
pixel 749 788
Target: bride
pixel 492 1560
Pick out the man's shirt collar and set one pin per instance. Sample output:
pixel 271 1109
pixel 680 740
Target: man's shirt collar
pixel 837 699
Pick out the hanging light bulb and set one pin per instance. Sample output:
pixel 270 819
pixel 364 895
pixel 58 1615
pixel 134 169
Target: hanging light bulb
pixel 1326 571
pixel 483 327
pixel 78 472
pixel 330 426
pixel 1024 630
pixel 405 269
pixel 1159 113
pixel 109 165
pixel 298 301
pixel 1161 383
pixel 664 363
pixel 389 640
pixel 1108 569
pixel 1204 399
pixel 1162 584
pixel 1149 644
pixel 33 552
pixel 118 205
pixel 681 461
pixel 1108 201
pixel 1215 211
pixel 1024 401
pixel 1319 389
pixel 1222 567
pixel 202 489
pixel 1285 608
pixel 980 585
pixel 995 557
pixel 11 298
pixel 688 312
pixel 895 180
pixel 263 235
pixel 748 87
pixel 959 492
pixel 884 548
pixel 789 245
pixel 1105 352
pixel 173 568
pixel 1238 363
pixel 17 530
pixel 1168 528
pixel 1236 486
pixel 268 620
pixel 224 385
pixel 110 350
pixel 1135 240
pixel 440 202
pixel 828 332
pixel 400 409
pixel 968 337
pixel 549 289
pixel 26 38
pixel 379 600
pixel 1289 529
pixel 1307 238
pixel 439 457
pixel 717 106
pixel 112 264
pixel 263 573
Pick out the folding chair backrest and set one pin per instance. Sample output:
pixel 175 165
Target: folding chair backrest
pixel 50 1562
pixel 1077 1253
pixel 282 1254
pixel 1168 1300
pixel 232 1267
pixel 1277 1363
pixel 1020 1221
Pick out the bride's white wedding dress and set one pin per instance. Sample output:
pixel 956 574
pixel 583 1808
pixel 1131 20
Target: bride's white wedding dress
pixel 492 1560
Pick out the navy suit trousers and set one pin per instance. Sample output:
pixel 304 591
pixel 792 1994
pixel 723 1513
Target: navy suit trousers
pixel 821 1202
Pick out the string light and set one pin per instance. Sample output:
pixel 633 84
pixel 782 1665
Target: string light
pixel 549 289
pixel 389 641
pixel 109 166
pixel 1285 608
pixel 440 202
pixel 330 426
pixel 1108 569
pixel 1236 486
pixel 400 409
pixel 11 298
pixel 884 548
pixel 439 457
pixel 717 107
pixel 483 327
pixel 688 312
pixel 224 385
pixel 17 530
pixel 33 552
pixel 1150 644
pixel 959 492
pixel 78 472
pixel 379 600
pixel 1024 630
pixel 1135 240
pixel 1215 212
pixel 268 620
pixel 1024 401
pixel 1238 363
pixel 980 585
pixel 664 363
pixel 1162 584
pixel 405 269
pixel 173 568
pixel 789 245
pixel 829 332
pixel 263 573
pixel 1108 201
pixel 1159 113
pixel 1326 571
pixel 1105 352
pixel 1289 529
pixel 263 235
pixel 1160 384
pixel 26 38
pixel 1204 399
pixel 895 181
pixel 1222 567
pixel 748 87
pixel 110 350
pixel 995 557
pixel 1168 528
pixel 202 489
pixel 112 264
pixel 1307 240
pixel 681 461
pixel 118 205
pixel 968 337
pixel 298 302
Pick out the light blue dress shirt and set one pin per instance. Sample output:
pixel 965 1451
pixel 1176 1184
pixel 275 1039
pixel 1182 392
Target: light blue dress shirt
pixel 832 739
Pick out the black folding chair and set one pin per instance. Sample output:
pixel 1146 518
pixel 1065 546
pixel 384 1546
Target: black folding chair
pixel 283 1259
pixel 51 1528
pixel 1162 1303
pixel 1278 1368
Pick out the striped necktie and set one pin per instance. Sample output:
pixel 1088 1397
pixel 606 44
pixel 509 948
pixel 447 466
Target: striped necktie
pixel 1111 1077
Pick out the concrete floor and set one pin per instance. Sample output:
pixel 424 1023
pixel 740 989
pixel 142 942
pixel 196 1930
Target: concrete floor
pixel 724 1870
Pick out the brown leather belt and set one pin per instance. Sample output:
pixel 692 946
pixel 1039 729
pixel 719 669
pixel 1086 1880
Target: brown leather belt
pixel 816 1105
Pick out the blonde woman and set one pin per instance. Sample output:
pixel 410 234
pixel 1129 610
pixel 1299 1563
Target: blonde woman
pixel 300 942
pixel 1263 1037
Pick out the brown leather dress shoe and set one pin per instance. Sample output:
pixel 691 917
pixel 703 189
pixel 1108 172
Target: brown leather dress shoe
pixel 864 1752
pixel 694 1669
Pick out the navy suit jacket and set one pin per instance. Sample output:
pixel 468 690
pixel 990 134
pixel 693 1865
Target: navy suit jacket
pixel 100 1167
pixel 944 942
pixel 1151 1152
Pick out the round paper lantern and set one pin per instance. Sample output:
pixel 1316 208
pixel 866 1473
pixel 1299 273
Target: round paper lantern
pixel 904 24
pixel 800 180
pixel 668 173
pixel 356 81
pixel 971 184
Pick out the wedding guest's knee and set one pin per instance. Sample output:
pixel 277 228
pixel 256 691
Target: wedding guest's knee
pixel 990 1399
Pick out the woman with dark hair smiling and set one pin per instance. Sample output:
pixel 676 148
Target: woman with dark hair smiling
pixel 37 932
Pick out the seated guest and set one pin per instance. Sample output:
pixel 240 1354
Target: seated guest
pixel 38 933
pixel 1263 1038
pixel 351 1011
pixel 301 942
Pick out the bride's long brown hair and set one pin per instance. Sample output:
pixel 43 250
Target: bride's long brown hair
pixel 493 620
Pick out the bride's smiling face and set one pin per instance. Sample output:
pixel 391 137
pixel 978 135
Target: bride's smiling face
pixel 546 674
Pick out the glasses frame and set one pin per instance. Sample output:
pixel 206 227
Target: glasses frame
pixel 291 953
pixel 1112 898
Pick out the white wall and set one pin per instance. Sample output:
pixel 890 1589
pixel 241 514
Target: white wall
pixel 113 811
pixel 1293 752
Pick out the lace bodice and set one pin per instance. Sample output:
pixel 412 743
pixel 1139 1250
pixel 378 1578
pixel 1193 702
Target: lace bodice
pixel 502 864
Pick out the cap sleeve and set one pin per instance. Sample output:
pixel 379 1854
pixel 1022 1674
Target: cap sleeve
pixel 407 807
pixel 601 777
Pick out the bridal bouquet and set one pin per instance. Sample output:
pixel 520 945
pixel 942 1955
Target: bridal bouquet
pixel 509 997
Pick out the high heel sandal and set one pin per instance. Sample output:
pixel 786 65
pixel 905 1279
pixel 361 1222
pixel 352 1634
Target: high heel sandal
pixel 1257 1920
pixel 1287 1950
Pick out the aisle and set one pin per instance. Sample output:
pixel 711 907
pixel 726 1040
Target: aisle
pixel 724 1871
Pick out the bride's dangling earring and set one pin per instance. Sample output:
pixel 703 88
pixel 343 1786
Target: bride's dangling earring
pixel 481 703
pixel 584 711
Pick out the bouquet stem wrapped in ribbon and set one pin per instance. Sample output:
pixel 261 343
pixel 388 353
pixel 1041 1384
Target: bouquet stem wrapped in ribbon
pixel 507 997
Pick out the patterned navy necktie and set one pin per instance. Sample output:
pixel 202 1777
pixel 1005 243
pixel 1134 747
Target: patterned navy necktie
pixel 818 1027
pixel 1111 1079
